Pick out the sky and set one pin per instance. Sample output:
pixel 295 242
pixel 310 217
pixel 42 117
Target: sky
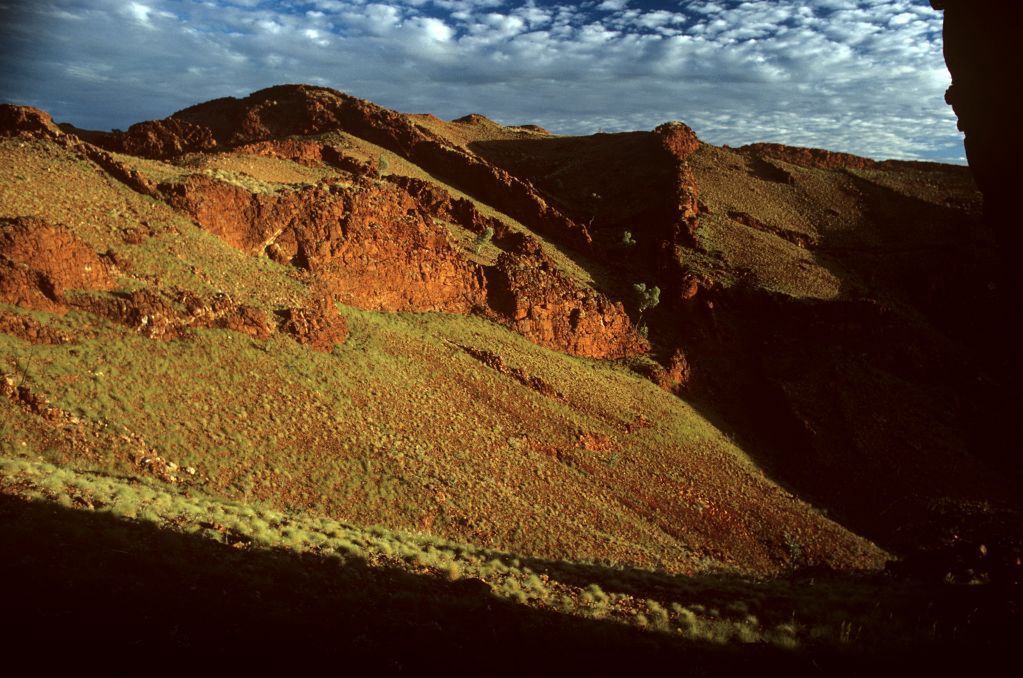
pixel 860 76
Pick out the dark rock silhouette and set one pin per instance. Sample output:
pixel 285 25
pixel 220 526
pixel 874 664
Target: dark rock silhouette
pixel 982 52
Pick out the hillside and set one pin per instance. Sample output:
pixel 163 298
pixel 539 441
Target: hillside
pixel 323 333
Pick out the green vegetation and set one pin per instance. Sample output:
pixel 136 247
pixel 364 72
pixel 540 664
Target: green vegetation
pixel 433 458
pixel 365 433
pixel 482 240
pixel 645 299
pixel 845 612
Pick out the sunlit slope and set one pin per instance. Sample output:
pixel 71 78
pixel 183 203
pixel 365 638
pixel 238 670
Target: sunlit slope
pixel 448 424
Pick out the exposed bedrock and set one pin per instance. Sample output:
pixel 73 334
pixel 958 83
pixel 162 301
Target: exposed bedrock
pixel 39 261
pixel 288 110
pixel 374 245
pixel 542 304
pixel 15 120
pixel 368 243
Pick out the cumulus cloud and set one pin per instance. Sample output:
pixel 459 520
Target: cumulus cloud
pixel 864 76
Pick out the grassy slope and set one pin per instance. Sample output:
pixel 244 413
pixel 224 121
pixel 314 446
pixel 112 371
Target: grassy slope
pixel 187 568
pixel 869 232
pixel 399 425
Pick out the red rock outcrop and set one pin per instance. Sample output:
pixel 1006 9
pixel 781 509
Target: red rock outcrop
pixel 308 152
pixel 318 325
pixel 674 376
pixel 128 176
pixel 31 330
pixel 168 316
pixel 302 151
pixel 16 120
pixel 368 243
pixel 678 138
pixel 165 138
pixel 497 363
pixel 160 316
pixel 538 301
pixel 684 208
pixel 25 287
pixel 38 261
pixel 439 204
pixel 288 110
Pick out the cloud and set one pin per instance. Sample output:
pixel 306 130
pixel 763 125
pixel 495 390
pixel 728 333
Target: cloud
pixel 863 76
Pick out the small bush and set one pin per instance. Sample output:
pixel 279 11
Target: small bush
pixel 482 240
pixel 646 297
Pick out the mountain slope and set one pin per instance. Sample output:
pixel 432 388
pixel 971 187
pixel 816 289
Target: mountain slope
pixel 302 301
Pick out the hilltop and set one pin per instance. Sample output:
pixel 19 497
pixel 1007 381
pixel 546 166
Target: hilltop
pixel 300 323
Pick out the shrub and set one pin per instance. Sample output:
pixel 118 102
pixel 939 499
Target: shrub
pixel 482 240
pixel 646 297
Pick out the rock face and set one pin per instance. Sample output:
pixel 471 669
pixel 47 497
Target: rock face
pixel 539 302
pixel 38 261
pixel 368 243
pixel 439 204
pixel 170 316
pixel 319 325
pixel 164 138
pixel 983 55
pixel 18 119
pixel 304 110
pixel 372 245
pixel 682 214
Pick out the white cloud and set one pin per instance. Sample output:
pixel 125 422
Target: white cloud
pixel 139 12
pixel 864 76
pixel 437 29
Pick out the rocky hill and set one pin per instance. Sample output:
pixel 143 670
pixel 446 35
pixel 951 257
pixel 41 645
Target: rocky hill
pixel 279 321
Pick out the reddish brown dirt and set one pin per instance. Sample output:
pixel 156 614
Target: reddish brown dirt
pixel 369 243
pixel 38 261
pixel 541 303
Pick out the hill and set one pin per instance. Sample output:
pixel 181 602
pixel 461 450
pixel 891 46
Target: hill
pixel 306 314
